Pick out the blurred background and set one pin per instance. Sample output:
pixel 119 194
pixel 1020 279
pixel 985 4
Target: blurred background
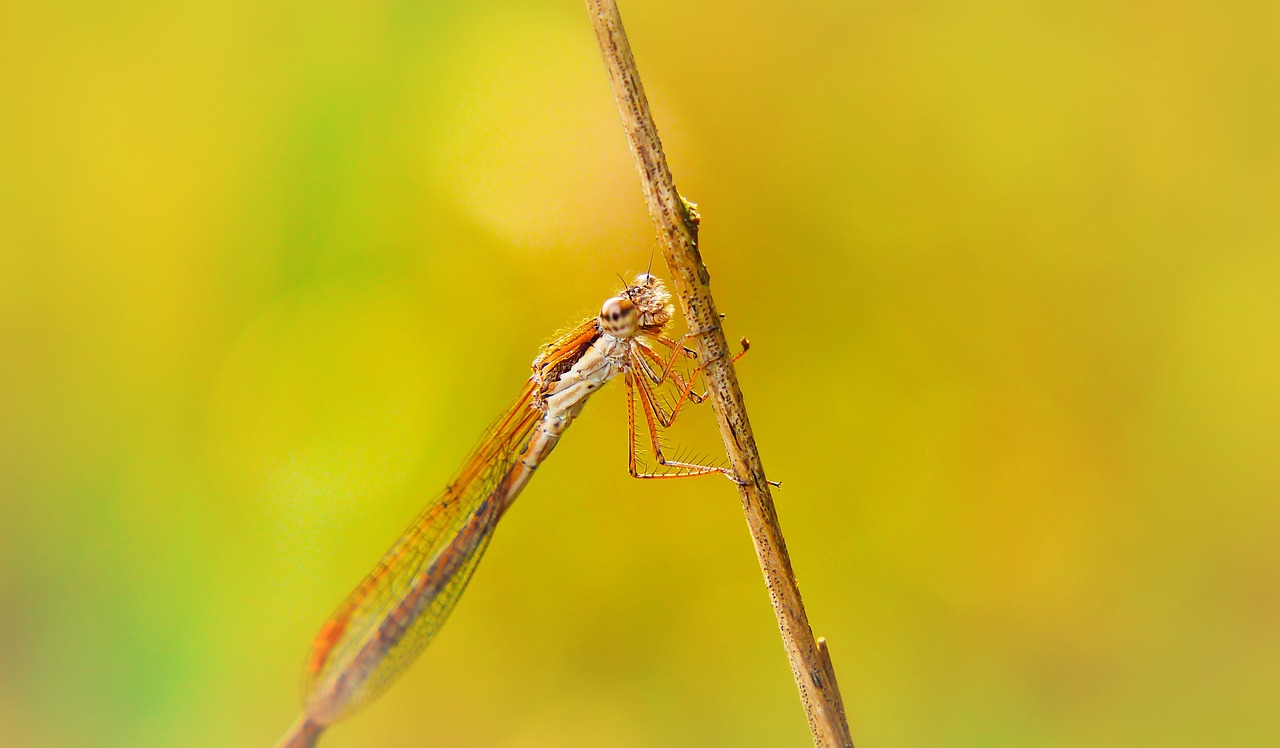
pixel 1011 272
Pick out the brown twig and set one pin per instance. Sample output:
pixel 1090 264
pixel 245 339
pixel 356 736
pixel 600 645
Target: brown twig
pixel 677 225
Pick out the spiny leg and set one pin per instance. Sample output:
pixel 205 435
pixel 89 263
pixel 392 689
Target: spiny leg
pixel 687 389
pixel 665 412
pixel 685 469
pixel 650 355
pixel 631 427
pixel 652 410
pixel 633 440
pixel 677 346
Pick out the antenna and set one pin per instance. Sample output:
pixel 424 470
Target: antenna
pixel 625 288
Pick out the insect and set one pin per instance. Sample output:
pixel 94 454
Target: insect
pixel 394 612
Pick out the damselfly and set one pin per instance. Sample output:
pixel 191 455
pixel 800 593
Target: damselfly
pixel 391 616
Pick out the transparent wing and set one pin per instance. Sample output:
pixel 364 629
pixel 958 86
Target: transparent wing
pixel 392 615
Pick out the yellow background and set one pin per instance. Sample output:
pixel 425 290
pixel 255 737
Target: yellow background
pixel 1012 273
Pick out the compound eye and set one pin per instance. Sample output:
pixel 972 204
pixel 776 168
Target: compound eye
pixel 616 310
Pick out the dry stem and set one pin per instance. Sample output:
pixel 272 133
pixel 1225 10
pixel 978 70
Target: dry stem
pixel 677 226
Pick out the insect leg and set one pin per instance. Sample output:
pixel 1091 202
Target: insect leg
pixel 679 469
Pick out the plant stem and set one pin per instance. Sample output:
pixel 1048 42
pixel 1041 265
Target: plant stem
pixel 677 226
